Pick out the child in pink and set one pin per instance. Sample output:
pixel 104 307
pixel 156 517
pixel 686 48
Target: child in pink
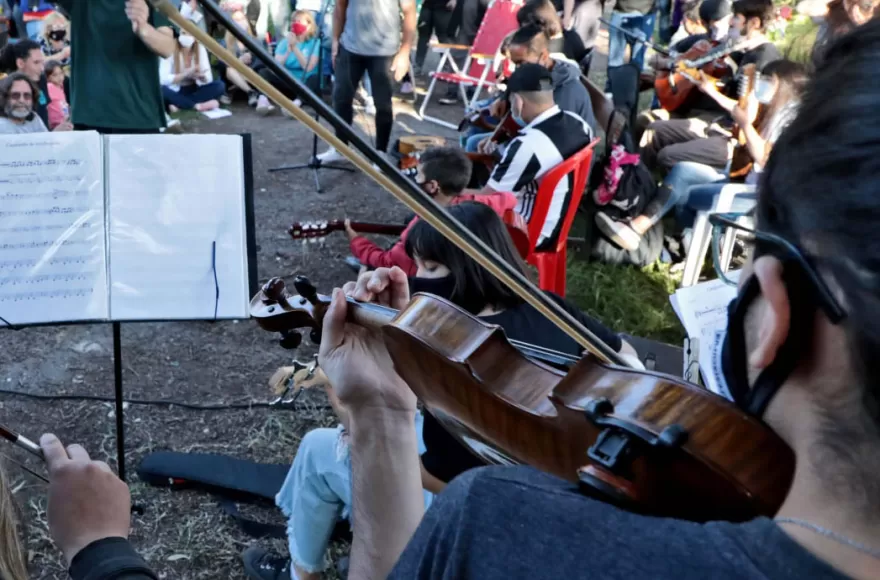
pixel 59 110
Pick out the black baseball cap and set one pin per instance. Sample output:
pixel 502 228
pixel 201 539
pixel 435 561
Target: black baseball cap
pixel 712 10
pixel 530 77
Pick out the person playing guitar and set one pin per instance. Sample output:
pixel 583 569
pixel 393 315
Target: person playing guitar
pixel 665 143
pixel 444 173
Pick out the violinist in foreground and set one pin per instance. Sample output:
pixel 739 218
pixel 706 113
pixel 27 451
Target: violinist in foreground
pixel 800 354
pixel 317 492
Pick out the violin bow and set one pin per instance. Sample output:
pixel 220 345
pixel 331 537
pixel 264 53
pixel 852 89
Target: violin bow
pixel 21 441
pixel 377 167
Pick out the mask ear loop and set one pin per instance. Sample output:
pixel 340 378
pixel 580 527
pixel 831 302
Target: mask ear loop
pixel 802 313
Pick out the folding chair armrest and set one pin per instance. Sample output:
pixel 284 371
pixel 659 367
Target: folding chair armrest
pixel 482 56
pixel 439 46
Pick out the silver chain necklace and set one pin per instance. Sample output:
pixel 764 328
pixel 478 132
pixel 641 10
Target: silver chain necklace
pixel 839 538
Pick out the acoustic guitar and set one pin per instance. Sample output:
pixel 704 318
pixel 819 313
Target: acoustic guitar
pixel 741 162
pixel 674 87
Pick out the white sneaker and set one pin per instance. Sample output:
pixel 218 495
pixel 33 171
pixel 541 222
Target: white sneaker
pixel 369 106
pixel 264 107
pixel 331 155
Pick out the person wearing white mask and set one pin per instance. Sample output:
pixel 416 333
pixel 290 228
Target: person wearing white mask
pixel 692 187
pixel 187 80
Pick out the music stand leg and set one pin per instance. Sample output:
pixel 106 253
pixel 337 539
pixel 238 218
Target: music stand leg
pixel 120 420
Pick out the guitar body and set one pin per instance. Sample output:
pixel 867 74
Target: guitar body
pixel 409 149
pixel 741 162
pixel 674 90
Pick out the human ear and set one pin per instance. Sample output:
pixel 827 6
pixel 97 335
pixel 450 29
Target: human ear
pixel 775 319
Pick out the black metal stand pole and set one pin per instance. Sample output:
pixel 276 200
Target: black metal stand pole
pixel 120 419
pixel 314 163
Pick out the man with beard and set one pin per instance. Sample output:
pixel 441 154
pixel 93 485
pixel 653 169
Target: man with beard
pixel 17 115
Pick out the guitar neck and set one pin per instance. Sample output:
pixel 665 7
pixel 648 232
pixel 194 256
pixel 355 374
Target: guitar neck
pixel 374 228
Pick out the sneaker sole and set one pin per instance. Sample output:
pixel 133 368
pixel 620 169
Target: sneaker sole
pixel 606 228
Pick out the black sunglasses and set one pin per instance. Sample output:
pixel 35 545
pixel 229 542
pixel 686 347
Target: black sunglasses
pixel 722 223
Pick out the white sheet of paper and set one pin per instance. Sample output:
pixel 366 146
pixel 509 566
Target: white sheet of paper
pixel 702 309
pixel 176 208
pixel 52 237
pixel 217 113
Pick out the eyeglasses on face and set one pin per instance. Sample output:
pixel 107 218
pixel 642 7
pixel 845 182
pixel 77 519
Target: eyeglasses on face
pixel 17 96
pixel 725 225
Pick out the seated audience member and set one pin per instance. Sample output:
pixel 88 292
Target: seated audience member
pixel 33 14
pixel 59 110
pixel 55 40
pixel 562 42
pixel 17 115
pixel 549 136
pixel 187 80
pixel 242 53
pixel 443 173
pixel 317 492
pixel 714 25
pixel 665 143
pixel 298 52
pixel 529 44
pixel 692 187
pixel 800 356
pixel 692 23
pixel 26 57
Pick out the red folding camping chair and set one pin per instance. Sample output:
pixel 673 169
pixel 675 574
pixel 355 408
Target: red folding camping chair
pixel 551 264
pixel 479 68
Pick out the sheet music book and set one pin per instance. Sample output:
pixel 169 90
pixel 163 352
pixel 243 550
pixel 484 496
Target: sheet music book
pixel 702 309
pixel 124 227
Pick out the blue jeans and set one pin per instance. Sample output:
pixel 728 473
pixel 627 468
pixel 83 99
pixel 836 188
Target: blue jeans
pixel 191 95
pixel 683 176
pixel 317 494
pixel 617 41
pixel 473 139
pixel 703 198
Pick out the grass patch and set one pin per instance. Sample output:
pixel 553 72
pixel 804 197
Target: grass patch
pixel 627 299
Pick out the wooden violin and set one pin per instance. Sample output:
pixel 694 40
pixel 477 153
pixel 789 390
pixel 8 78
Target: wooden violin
pixel 648 442
pixel 673 87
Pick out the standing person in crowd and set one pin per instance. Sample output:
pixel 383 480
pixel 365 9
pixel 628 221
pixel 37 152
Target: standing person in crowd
pixel 17 115
pixel 242 53
pixel 636 17
pixel 298 53
pixel 317 490
pixel 549 136
pixel 434 17
pixel 59 110
pixel 26 57
pixel 115 51
pixel 186 77
pixel 582 18
pixel 55 40
pixel 842 17
pixel 800 355
pixel 376 37
pixel 279 13
pixel 562 42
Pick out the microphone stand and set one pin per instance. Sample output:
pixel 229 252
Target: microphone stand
pixel 314 163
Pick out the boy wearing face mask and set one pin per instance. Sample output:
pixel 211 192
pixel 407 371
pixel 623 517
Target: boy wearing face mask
pixel 549 136
pixel 666 143
pixel 443 173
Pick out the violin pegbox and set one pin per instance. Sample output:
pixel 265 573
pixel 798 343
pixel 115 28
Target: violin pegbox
pixel 276 310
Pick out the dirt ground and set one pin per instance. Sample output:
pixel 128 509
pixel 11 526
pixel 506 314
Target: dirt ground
pixel 184 534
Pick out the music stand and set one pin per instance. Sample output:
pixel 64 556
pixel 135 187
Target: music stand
pixel 314 163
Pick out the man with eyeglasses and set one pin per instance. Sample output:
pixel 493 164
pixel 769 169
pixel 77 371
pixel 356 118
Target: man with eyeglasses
pixel 17 113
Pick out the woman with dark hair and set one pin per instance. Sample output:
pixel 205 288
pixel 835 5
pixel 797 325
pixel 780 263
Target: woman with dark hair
pixel 842 17
pixel 568 43
pixel 317 491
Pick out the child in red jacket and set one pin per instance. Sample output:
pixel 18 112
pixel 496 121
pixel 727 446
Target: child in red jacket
pixel 443 173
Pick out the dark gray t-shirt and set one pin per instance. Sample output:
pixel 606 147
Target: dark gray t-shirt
pixel 372 27
pixel 507 523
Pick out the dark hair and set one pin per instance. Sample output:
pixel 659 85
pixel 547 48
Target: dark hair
pixel 450 167
pixel 819 191
pixel 532 37
pixel 792 77
pixel 6 86
pixel 475 287
pixel 21 49
pixel 761 9
pixel 51 66
pixel 541 13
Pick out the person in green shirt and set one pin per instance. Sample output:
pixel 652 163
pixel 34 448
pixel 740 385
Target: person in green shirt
pixel 115 51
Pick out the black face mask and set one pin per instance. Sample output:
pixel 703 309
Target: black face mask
pixel 443 287
pixel 58 34
pixel 734 357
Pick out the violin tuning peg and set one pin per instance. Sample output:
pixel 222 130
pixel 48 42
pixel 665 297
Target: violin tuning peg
pixel 306 289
